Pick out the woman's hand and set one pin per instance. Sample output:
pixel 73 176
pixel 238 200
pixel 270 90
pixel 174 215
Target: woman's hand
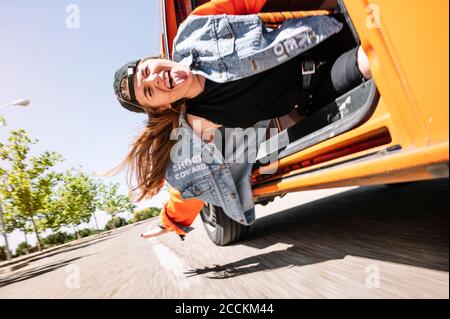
pixel 157 231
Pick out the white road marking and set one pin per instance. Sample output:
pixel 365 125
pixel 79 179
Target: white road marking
pixel 173 264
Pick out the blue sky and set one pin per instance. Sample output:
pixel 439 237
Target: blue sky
pixel 67 73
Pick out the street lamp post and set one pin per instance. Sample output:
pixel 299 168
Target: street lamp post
pixel 22 103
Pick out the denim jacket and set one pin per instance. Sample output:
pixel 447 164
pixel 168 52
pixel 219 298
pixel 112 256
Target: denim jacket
pixel 225 48
pixel 199 170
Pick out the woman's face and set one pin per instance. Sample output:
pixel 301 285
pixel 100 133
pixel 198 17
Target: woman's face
pixel 160 82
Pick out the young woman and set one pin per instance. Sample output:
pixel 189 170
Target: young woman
pixel 231 72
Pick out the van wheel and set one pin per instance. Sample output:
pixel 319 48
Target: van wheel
pixel 400 184
pixel 221 229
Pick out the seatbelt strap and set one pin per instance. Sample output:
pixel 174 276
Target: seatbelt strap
pixel 308 71
pixel 310 68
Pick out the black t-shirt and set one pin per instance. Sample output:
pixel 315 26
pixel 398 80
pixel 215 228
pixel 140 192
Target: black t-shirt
pixel 244 102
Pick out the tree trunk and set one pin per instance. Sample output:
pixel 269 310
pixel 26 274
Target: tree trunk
pixel 5 236
pixel 113 224
pixel 39 244
pixel 96 224
pixel 75 230
pixel 26 241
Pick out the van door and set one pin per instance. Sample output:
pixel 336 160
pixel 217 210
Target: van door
pixel 407 43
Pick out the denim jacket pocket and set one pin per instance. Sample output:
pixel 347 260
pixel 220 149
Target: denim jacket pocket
pixel 225 37
pixel 197 188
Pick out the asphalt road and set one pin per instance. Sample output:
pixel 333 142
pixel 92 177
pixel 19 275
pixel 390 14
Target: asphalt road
pixel 370 242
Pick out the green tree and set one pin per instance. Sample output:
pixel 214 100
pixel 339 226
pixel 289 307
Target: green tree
pixel 76 199
pixel 57 238
pixel 23 248
pixel 87 232
pixel 115 223
pixel 145 213
pixel 26 184
pixel 112 202
pixel 52 219
pixel 14 220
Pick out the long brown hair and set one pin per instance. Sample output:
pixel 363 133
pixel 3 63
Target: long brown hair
pixel 149 156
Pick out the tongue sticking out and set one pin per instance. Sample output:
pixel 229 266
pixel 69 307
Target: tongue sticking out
pixel 178 77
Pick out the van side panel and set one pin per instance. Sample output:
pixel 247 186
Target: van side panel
pixel 407 43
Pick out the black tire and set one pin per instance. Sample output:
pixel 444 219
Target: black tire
pixel 221 229
pixel 401 184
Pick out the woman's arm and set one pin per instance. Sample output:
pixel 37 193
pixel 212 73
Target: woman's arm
pixel 297 5
pixel 231 7
pixel 240 7
pixel 177 215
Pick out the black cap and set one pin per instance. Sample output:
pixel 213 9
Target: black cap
pixel 126 72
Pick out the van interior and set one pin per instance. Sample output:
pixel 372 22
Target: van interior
pixel 322 120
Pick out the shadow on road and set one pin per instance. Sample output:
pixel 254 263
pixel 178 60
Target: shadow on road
pixel 34 272
pixel 404 224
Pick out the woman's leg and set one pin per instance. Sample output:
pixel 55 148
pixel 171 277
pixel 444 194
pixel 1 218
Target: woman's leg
pixel 349 70
pixel 345 73
pixel 363 64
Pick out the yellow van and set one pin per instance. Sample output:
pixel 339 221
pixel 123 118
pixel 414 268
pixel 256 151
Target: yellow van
pixel 391 129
